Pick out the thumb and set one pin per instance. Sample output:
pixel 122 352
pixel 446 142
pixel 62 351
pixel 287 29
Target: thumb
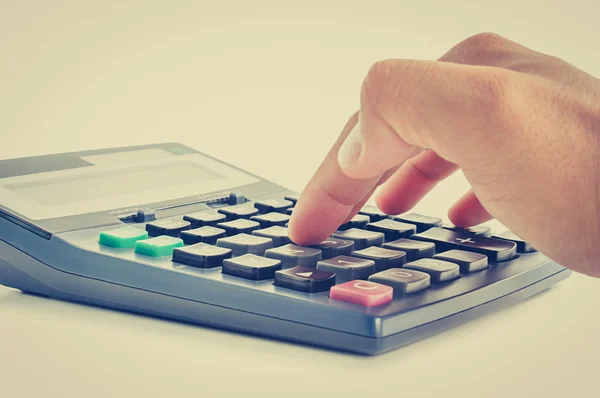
pixel 456 110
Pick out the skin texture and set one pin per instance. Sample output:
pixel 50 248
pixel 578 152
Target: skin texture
pixel 523 127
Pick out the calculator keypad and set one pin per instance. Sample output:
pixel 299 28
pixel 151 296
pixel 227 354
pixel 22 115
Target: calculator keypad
pixel 370 261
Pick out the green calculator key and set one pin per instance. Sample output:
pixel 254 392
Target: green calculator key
pixel 158 247
pixel 122 238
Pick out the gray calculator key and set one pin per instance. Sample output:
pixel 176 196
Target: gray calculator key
pixel 201 255
pixel 373 212
pixel 332 247
pixel 271 219
pixel 480 230
pixel 237 212
pixel 361 237
pixel 273 205
pixel 393 229
pixel 403 281
pixel 384 258
pixel 522 246
pixel 358 221
pixel 414 249
pixel 205 219
pixel 279 235
pixel 440 271
pixel 347 268
pixel 467 261
pixel 169 227
pixel 251 266
pixel 203 234
pixel 422 222
pixel 293 255
pixel 240 226
pixel 244 243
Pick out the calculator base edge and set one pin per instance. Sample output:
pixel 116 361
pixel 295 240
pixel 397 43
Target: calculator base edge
pixel 68 287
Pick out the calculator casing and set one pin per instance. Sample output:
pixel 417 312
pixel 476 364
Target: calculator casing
pixel 61 259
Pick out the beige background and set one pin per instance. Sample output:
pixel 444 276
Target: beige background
pixel 266 86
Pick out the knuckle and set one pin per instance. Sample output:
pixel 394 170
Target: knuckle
pixel 477 49
pixel 484 41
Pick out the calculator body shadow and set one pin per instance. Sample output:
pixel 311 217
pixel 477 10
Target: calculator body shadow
pixel 63 260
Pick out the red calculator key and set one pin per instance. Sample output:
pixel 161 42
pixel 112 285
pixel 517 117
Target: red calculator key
pixel 365 293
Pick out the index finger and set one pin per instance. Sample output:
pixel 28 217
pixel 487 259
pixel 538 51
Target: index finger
pixel 329 197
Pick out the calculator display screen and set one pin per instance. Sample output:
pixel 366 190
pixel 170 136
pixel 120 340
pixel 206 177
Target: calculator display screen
pixel 111 183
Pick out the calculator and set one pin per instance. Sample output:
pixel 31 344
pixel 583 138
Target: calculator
pixel 166 231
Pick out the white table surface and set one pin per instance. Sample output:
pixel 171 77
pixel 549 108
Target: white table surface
pixel 266 86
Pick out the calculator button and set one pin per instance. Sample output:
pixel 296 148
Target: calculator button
pixel 440 271
pixel 383 258
pixel 290 211
pixel 373 212
pixel 522 246
pixel 167 227
pixel 205 219
pixel 237 212
pixel 358 221
pixel 393 229
pixel 251 266
pixel 279 235
pixel 347 268
pixel 240 226
pixel 335 247
pixel 365 293
pixel 271 219
pixel 201 255
pixel 467 261
pixel 273 205
pixel 292 255
pixel 423 223
pixel 403 281
pixel 122 238
pixel 480 230
pixel 305 279
pixel 292 197
pixel 244 243
pixel 496 249
pixel 360 237
pixel 203 234
pixel 413 249
pixel 158 247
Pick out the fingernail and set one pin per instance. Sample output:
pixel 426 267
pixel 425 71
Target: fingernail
pixel 351 148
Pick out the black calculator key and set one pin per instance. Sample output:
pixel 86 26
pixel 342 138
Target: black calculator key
pixel 170 227
pixel 237 212
pixel 480 230
pixel 467 261
pixel 279 235
pixel 292 197
pixel 305 279
pixel 414 249
pixel 384 258
pixel 244 243
pixel 439 270
pixel 347 268
pixel 240 226
pixel 361 237
pixel 251 266
pixel 203 234
pixel 522 246
pixel 201 255
pixel 358 221
pixel 273 205
pixel 292 255
pixel 403 281
pixel 271 219
pixel 496 249
pixel 373 212
pixel 205 219
pixel 392 229
pixel 422 222
pixel 332 247
pixel 290 211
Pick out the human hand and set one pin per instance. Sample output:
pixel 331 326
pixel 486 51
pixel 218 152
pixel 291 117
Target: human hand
pixel 523 127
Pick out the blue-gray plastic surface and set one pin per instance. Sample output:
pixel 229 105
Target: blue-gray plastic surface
pixel 71 265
